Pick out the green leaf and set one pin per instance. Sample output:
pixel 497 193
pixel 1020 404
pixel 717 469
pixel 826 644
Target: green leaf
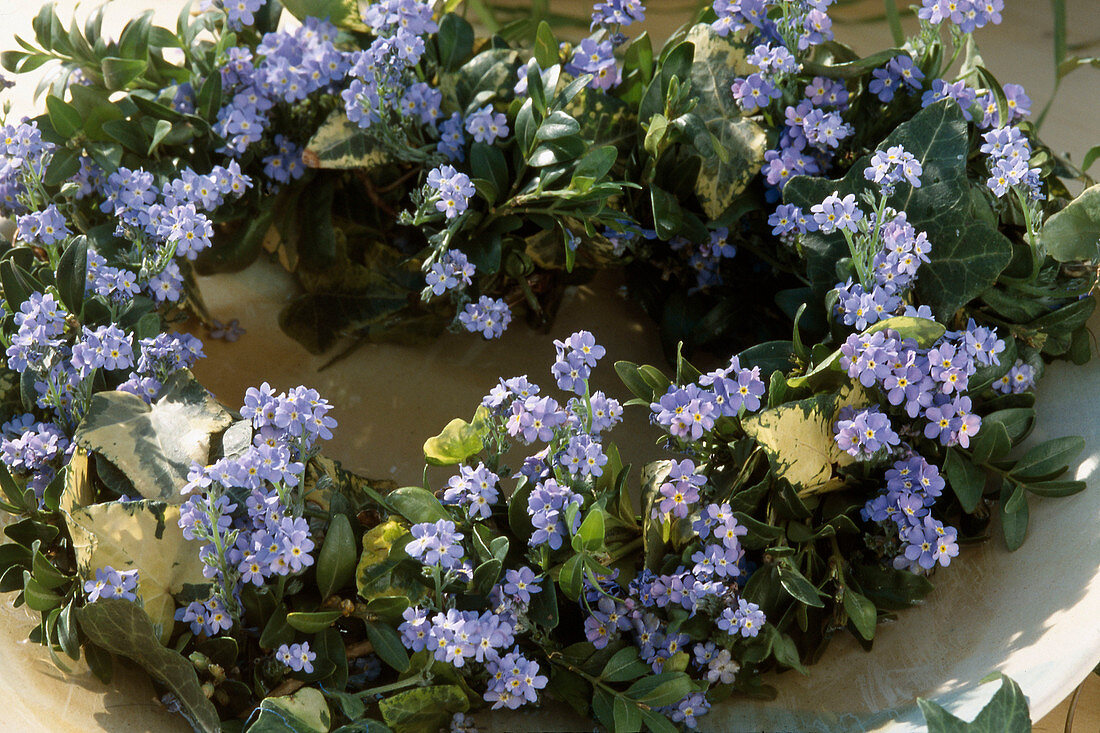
pixel 966 479
pixel 668 217
pixel 487 163
pixel 1017 421
pixel 1006 712
pixel 625 665
pixel 543 609
pixel 890 589
pixel 63 166
pixel 119 73
pixel 591 531
pixel 17 284
pixel 122 628
pixel 72 274
pixel 63 116
pixel 557 125
pixel 423 708
pixel 456 41
pixel 731 145
pixel 627 716
pixel 969 253
pixel 556 151
pixel 160 131
pixel 861 612
pixel 1049 458
pixel 797 586
pixel 277 630
pixel 155 445
pixel 1014 515
pixel 666 688
pixel 852 69
pixel 546 46
pixel 338 556
pixel 417 505
pixel 388 646
pixel 458 441
pixel 305 711
pixel 489 75
pixel 1056 488
pixel 1074 232
pixel 37 596
pixel 657 722
pixel 311 623
pixel 572 575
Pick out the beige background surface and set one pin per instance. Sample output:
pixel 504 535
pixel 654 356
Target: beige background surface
pixel 1032 614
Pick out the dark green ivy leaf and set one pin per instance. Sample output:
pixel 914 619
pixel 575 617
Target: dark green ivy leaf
pixel 122 627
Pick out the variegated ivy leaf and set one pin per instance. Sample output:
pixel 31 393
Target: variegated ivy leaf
pixel 732 148
pixel 339 143
pixel 798 439
pixel 155 445
pixel 133 535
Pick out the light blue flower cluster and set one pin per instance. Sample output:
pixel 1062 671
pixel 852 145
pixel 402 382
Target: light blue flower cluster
pixel 475 488
pixel 690 411
pixel 912 487
pixel 931 382
pixel 1010 163
pixel 460 638
pixel 488 316
pixel 450 189
pixel 268 536
pixel 968 15
pixel 33 450
pixel 384 90
pixel 111 583
pixel 453 271
pixel 286 67
pixel 297 657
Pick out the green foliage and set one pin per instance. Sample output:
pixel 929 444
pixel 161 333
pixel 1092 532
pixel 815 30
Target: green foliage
pixel 425 708
pixel 121 627
pixel 1074 232
pixel 968 254
pixel 1006 712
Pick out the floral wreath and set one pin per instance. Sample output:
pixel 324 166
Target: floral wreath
pixel 921 248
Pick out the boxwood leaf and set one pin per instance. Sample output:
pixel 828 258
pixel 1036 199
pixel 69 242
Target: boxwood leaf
pixel 1049 458
pixel 417 505
pixel 337 559
pixel 312 622
pixel 1014 515
pixel 797 586
pixel 966 479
